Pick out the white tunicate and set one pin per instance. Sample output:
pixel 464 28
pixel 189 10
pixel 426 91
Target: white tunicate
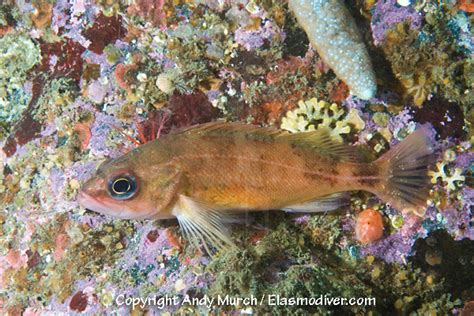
pixel 404 3
pixel 164 82
pixel 142 77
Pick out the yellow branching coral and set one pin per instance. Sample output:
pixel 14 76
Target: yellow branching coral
pixel 449 180
pixel 418 88
pixel 313 114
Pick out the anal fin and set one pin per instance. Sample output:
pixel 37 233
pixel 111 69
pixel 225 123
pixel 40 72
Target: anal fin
pixel 323 204
pixel 202 224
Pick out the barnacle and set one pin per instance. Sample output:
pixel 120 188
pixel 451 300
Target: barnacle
pixel 449 178
pixel 313 114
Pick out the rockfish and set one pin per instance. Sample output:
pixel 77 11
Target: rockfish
pixel 202 174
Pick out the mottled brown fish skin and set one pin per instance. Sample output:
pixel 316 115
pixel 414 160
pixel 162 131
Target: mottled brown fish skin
pixel 198 175
pixel 245 173
pixel 241 167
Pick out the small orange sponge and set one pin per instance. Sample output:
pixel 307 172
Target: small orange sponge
pixel 369 226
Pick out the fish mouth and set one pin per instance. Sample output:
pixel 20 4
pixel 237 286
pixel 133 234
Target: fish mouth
pixel 87 201
pixel 93 204
pixel 82 197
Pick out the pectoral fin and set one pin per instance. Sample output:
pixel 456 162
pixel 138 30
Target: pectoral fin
pixel 202 224
pixel 323 204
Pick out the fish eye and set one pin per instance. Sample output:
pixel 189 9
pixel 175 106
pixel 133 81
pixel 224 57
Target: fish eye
pixel 123 187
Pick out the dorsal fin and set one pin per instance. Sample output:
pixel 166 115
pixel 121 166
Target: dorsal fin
pixel 233 129
pixel 323 143
pixel 321 140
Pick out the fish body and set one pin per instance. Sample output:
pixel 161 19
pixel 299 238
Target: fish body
pixel 200 174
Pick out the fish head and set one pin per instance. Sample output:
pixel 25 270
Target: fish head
pixel 126 189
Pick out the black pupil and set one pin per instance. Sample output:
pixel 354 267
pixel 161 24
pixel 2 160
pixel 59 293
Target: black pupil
pixel 122 186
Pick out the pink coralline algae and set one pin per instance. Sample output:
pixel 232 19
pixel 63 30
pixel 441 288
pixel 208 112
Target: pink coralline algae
pixel 151 10
pixel 465 160
pixel 387 13
pixel 16 259
pixel 100 131
pixel 398 246
pixel 402 121
pixel 253 39
pixel 97 91
pixel 460 222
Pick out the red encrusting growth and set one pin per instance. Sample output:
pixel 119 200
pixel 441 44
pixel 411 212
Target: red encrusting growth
pixel 69 64
pixel 151 10
pixel 286 67
pixel 173 239
pixel 104 31
pixel 153 235
pixel 78 302
pixel 27 128
pixel 466 5
pixel 124 75
pixel 151 128
pixel 191 109
pixel 447 117
pixel 339 93
pixel 62 241
pixel 69 60
pixel 257 236
pixel 33 258
pixel 84 133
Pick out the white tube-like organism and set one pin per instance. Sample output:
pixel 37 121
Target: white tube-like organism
pixel 332 31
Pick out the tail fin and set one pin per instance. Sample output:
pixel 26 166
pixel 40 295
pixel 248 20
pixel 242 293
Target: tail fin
pixel 406 172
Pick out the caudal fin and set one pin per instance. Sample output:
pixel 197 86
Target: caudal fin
pixel 407 182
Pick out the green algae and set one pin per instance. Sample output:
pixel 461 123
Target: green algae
pixel 285 261
pixel 18 54
pixel 427 61
pixel 295 262
pixel 58 93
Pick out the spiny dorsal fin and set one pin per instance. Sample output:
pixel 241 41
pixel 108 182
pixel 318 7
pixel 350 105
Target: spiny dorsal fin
pixel 202 225
pixel 323 143
pixel 231 129
pixel 319 140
